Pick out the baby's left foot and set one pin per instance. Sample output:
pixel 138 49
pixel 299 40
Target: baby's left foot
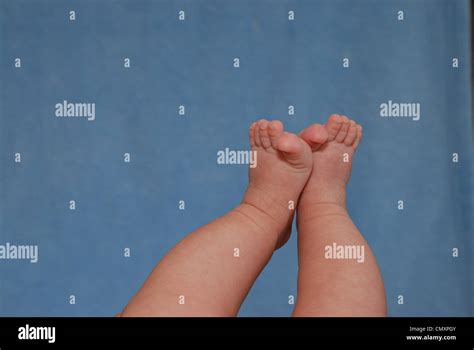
pixel 284 163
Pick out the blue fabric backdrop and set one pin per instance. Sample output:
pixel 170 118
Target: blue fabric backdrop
pixel 283 62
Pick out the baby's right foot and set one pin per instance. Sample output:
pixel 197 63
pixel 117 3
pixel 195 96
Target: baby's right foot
pixel 332 161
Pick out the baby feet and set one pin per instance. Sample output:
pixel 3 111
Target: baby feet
pixel 317 165
pixel 332 161
pixel 284 163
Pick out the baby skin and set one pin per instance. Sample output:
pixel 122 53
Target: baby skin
pixel 327 286
pixel 210 272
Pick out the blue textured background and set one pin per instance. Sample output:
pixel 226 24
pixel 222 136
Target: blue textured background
pixel 189 63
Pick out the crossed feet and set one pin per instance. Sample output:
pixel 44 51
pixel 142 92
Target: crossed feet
pixel 304 170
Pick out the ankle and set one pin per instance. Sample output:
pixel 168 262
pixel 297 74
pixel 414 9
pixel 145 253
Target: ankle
pixel 277 211
pixel 259 222
pixel 315 194
pixel 308 214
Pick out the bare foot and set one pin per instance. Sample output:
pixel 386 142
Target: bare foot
pixel 332 161
pixel 284 163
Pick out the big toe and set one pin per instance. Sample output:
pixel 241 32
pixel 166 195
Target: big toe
pixel 315 135
pixel 290 144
